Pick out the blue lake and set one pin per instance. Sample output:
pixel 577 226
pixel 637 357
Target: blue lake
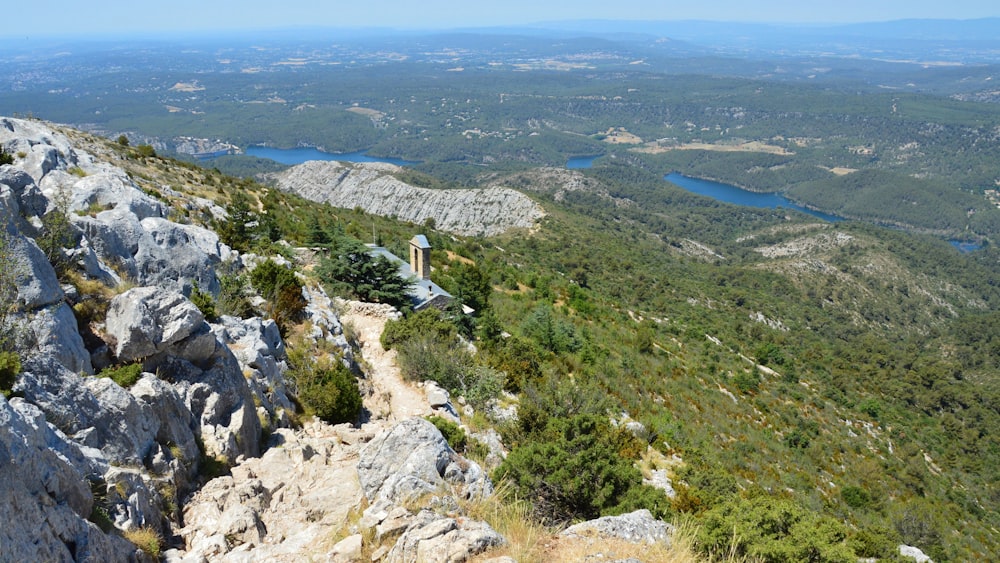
pixel 966 246
pixel 739 196
pixel 579 162
pixel 302 154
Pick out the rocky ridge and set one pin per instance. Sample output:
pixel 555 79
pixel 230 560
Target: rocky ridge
pixel 79 450
pixel 371 186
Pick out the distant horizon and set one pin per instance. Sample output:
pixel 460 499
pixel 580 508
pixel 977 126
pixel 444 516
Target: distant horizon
pixel 374 30
pixel 113 19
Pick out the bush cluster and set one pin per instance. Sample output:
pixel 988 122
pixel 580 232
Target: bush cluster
pixel 281 290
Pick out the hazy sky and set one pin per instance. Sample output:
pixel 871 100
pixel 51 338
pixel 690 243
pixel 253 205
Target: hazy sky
pixel 113 17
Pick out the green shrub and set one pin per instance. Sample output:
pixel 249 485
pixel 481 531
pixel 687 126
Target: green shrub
pixel 145 151
pixel 428 323
pixel 871 407
pixel 772 530
pixel 233 296
pixel 330 393
pixel 281 290
pixel 146 539
pixel 855 497
pixel 520 359
pixel 10 366
pixel 123 140
pixel 125 376
pixel 574 471
pixel 875 542
pixel 452 432
pixel 57 234
pixel 747 382
pixel 203 300
pixel 426 358
pixel 5 157
pixel 550 331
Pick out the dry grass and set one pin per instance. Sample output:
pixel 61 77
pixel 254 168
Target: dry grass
pixel 146 539
pixel 529 541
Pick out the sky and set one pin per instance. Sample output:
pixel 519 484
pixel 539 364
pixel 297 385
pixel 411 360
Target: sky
pixel 119 17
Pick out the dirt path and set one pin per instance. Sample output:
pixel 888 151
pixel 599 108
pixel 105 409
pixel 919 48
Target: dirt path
pixel 393 399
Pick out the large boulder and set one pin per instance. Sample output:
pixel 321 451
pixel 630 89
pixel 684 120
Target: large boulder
pixel 413 458
pixel 112 190
pixel 45 500
pixel 433 539
pixel 260 351
pixel 638 527
pixel 31 201
pixel 177 425
pixel 176 255
pixel 44 150
pixel 219 397
pixel 914 553
pixel 37 285
pixel 146 321
pixel 94 412
pixel 55 335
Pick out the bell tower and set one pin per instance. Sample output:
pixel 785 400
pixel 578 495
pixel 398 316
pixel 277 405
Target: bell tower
pixel 420 257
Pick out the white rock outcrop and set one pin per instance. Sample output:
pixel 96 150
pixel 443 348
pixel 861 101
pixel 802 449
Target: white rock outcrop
pixel 371 186
pixel 45 499
pixel 74 445
pixel 413 458
pixel 638 526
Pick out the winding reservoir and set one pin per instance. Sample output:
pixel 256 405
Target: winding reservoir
pixel 303 154
pixel 739 196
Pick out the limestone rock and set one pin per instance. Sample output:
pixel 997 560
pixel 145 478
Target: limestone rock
pixel 638 526
pixel 325 323
pixel 437 396
pixel 177 425
pixel 660 479
pixel 45 500
pixel 494 444
pixel 56 336
pixel 347 549
pixel 144 321
pixel 152 250
pixel 220 399
pixel 37 285
pixel 433 539
pixel 112 190
pixel 257 346
pixel 31 201
pixel 45 150
pixel 371 186
pixel 179 255
pixel 280 506
pixel 914 553
pixel 95 412
pixel 413 458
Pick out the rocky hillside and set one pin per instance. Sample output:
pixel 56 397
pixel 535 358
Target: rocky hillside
pixel 135 429
pixel 372 187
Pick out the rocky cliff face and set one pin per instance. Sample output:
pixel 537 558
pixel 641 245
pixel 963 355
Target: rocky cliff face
pixel 371 186
pixel 77 450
